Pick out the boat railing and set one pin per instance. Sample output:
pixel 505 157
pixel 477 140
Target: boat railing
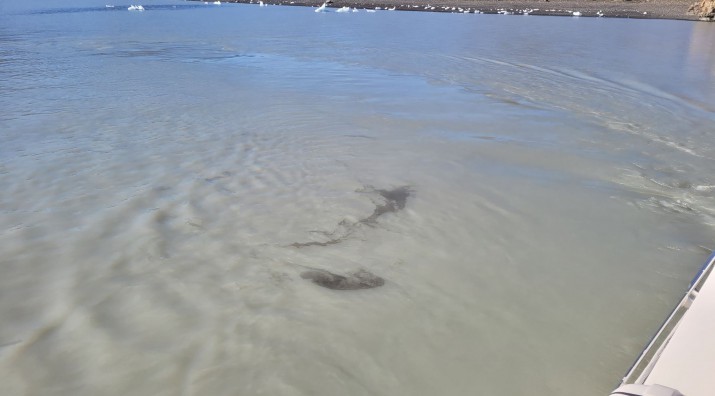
pixel 642 367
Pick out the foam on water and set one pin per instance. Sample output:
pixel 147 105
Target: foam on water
pixel 207 202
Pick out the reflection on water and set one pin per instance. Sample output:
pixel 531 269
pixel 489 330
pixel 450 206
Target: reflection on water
pixel 268 200
pixel 702 52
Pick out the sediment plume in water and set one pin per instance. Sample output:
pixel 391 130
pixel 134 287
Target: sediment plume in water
pixel 394 201
pixel 357 280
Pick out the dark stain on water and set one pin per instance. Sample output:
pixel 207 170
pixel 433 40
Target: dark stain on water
pixel 395 200
pixel 357 280
pixel 223 175
pixel 392 201
pixel 316 243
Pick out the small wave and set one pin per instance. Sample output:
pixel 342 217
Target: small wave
pixel 678 206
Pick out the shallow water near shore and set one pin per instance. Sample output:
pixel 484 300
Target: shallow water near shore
pixel 530 196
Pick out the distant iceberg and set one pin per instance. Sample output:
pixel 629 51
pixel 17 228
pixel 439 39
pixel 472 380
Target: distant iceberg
pixel 135 8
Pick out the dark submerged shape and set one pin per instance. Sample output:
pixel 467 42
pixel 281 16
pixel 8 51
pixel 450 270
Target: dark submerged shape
pixel 315 243
pixel 394 200
pixel 360 279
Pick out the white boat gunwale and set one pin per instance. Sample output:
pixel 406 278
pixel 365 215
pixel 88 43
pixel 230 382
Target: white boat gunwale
pixel 643 365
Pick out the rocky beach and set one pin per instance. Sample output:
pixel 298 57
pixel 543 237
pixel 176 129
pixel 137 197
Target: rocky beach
pixel 703 10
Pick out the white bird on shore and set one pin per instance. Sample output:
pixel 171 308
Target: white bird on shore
pixel 322 8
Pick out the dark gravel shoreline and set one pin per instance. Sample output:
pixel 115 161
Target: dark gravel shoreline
pixel 640 9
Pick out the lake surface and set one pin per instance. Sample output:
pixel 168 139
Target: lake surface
pixel 168 175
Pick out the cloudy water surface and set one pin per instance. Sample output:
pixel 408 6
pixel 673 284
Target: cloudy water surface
pixel 202 199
